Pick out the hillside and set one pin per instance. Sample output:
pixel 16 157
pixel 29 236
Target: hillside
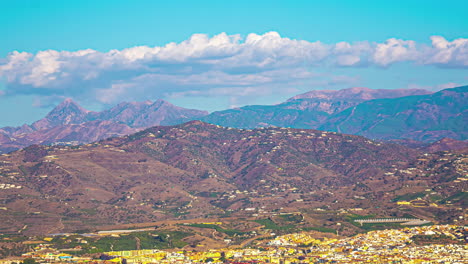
pixel 198 170
pixel 290 114
pixel 308 110
pixel 422 117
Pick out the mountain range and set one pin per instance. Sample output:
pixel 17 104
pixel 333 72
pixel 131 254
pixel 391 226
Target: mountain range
pixel 422 117
pixel 200 170
pixel 308 110
pixel 69 123
pixel 382 114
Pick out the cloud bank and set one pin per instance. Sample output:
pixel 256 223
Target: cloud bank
pixel 202 66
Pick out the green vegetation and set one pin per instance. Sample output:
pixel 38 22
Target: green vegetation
pixel 409 196
pixel 380 226
pixel 114 244
pixel 434 239
pixel 177 214
pixel 459 196
pixel 229 232
pixel 209 194
pixel 146 240
pixel 295 218
pixel 320 229
pixel 89 211
pixel 269 224
pixel 23 170
pixel 435 197
pixel 29 261
pixel 13 238
pixel 352 217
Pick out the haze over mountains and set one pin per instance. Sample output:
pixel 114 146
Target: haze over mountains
pixel 411 114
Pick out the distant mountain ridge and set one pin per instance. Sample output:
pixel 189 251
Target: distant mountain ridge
pixel 307 110
pixel 69 123
pixel 422 117
pixel 359 93
pixel 377 114
pixel 401 114
pixel 146 114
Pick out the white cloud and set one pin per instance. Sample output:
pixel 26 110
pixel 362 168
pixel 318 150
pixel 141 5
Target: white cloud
pixel 395 50
pixel 352 55
pixel 203 65
pixel 448 54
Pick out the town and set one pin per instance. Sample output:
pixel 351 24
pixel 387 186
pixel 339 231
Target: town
pixel 422 244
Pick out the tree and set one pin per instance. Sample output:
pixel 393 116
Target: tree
pixel 29 261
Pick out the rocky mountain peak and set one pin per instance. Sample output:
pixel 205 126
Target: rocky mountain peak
pixel 67 112
pixel 161 102
pixel 68 106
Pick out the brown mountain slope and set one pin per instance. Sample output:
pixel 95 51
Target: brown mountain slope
pixel 80 133
pixel 446 144
pixel 198 170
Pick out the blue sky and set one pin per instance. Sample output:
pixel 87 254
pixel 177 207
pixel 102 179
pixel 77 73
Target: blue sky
pixel 214 71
